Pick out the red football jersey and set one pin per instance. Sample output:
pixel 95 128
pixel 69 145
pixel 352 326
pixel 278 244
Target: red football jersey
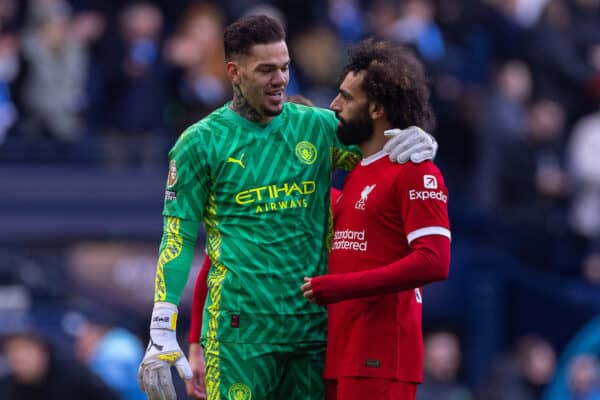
pixel 384 207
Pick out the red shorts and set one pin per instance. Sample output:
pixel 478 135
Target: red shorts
pixel 369 388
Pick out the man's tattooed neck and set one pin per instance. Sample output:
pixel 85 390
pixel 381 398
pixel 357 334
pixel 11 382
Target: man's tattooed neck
pixel 240 105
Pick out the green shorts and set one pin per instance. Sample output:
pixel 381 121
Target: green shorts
pixel 240 371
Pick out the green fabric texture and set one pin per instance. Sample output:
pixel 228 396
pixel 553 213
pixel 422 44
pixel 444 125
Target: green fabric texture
pixel 262 192
pixel 175 258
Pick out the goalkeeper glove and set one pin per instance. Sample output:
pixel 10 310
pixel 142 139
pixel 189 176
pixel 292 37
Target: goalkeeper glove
pixel 412 143
pixel 163 352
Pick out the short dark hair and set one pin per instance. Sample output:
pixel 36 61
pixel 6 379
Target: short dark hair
pixel 248 31
pixel 394 78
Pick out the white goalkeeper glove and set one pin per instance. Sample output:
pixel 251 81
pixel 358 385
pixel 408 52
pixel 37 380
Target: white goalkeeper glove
pixel 163 352
pixel 412 143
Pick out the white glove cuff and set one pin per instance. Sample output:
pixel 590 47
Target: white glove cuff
pixel 164 316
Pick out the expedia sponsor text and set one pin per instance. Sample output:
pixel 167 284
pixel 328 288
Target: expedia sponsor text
pixel 427 195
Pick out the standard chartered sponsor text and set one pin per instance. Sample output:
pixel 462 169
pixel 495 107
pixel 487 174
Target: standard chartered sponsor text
pixel 349 240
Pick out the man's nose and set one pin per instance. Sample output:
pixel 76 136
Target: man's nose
pixel 279 78
pixel 335 104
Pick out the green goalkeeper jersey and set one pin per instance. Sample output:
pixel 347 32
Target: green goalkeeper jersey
pixel 262 192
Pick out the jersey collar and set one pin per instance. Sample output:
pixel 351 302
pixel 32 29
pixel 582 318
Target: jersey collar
pixel 373 157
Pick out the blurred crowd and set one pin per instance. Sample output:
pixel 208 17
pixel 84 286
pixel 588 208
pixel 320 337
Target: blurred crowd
pixel 516 90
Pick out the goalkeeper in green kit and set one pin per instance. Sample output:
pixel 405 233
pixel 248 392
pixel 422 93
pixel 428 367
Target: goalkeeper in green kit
pixel 257 172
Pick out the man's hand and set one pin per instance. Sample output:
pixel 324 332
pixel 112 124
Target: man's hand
pixel 412 143
pixel 307 290
pixel 163 352
pixel 196 387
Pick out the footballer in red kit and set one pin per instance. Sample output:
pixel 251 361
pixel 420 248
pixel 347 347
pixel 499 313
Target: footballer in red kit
pixel 391 234
pixel 383 209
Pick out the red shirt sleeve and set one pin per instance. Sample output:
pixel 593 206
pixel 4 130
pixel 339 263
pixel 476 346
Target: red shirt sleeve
pixel 423 198
pixel 428 261
pixel 335 195
pixel 200 291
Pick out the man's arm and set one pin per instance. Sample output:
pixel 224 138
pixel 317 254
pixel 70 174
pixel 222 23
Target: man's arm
pixel 198 301
pixel 196 387
pixel 163 351
pixel 429 261
pixel 185 197
pixel 427 229
pixel 175 258
pixel 187 189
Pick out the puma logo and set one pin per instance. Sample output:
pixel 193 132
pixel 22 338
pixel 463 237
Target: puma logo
pixel 236 161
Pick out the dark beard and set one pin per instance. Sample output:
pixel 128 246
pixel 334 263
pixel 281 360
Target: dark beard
pixel 355 131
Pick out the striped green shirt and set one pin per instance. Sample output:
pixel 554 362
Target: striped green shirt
pixel 262 192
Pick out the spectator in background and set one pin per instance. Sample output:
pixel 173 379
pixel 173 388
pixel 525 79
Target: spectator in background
pixel 586 30
pixel 559 70
pixel 318 76
pixel 296 13
pixel 577 374
pixel 583 149
pixel 9 64
pixel 584 374
pixel 503 121
pixel 196 51
pixel 9 68
pixel 113 353
pixel 348 18
pixel 416 27
pixel 135 87
pixel 56 63
pixel 9 10
pixel 380 16
pixel 441 366
pixel 533 187
pixel 36 373
pixel 523 374
pixel 527 12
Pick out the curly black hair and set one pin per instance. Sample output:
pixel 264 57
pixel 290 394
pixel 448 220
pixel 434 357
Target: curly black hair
pixel 394 78
pixel 248 31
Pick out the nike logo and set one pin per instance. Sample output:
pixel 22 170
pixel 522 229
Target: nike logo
pixel 236 161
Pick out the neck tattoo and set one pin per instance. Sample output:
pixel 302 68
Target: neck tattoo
pixel 240 105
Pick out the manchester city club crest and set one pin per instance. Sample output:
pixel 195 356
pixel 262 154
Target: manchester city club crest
pixel 306 152
pixel 239 391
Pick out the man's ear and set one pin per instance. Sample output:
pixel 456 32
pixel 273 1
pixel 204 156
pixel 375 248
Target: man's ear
pixel 376 110
pixel 233 72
